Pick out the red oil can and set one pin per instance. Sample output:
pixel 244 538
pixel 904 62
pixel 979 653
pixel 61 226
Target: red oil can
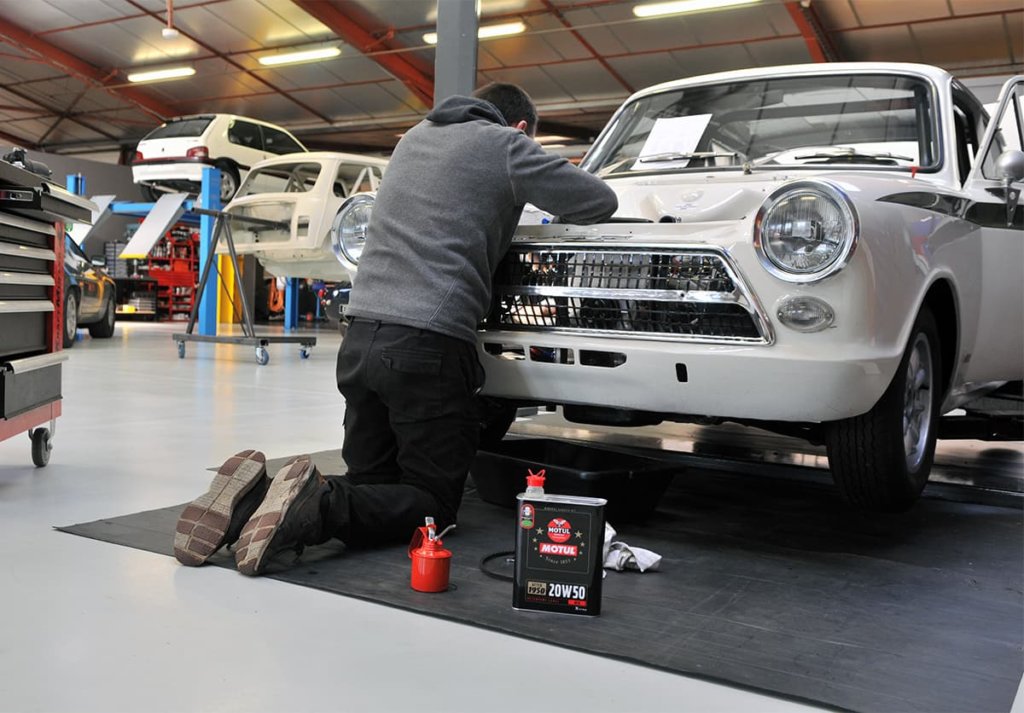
pixel 431 562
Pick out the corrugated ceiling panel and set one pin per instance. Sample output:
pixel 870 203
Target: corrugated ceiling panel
pixel 70 131
pixel 330 103
pixel 1015 31
pixel 405 13
pixel 43 15
pixel 349 67
pixel 520 49
pixel 537 84
pixel 969 7
pixel 268 108
pixel 125 45
pixel 880 12
pixel 585 80
pixel 648 69
pixel 28 129
pixel 295 23
pixel 602 38
pixel 943 43
pixel 371 100
pixel 407 101
pixel 778 52
pixel 886 44
pixel 836 14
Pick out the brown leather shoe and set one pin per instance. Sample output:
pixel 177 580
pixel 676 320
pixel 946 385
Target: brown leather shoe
pixel 216 517
pixel 288 517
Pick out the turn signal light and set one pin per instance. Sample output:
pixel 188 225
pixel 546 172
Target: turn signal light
pixel 198 152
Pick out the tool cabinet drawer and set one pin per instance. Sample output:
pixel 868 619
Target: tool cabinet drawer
pixel 24 332
pixel 20 392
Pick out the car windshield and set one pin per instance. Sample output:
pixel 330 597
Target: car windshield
pixel 281 178
pixel 194 126
pixel 867 121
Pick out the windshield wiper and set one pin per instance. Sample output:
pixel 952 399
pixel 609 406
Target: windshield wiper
pixel 737 157
pixel 850 155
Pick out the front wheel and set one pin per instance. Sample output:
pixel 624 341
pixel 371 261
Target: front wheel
pixel 881 460
pixel 104 329
pixel 70 318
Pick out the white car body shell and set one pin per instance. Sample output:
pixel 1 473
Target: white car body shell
pixel 903 252
pixel 304 250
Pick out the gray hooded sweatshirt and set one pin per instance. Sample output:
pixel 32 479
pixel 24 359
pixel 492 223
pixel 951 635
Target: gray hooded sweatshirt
pixel 446 211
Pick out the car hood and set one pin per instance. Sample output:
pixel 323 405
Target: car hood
pixel 732 196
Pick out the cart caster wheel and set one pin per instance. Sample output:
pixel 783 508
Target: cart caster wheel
pixel 181 350
pixel 262 356
pixel 304 353
pixel 41 446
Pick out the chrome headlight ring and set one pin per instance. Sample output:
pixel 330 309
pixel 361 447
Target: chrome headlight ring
pixel 348 230
pixel 806 231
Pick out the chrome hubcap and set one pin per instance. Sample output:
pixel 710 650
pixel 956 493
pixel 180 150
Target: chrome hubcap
pixel 227 187
pixel 917 402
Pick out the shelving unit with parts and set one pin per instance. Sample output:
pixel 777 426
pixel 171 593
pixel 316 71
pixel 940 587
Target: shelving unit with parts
pixel 174 265
pixel 32 216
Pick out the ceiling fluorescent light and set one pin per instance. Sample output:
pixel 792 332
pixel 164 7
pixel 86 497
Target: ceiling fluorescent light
pixel 683 6
pixel 486 33
pixel 304 56
pixel 157 75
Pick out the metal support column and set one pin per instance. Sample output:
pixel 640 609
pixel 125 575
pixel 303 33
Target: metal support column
pixel 455 57
pixel 291 303
pixel 209 199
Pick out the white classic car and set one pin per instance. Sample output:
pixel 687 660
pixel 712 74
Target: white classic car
pixel 829 250
pixel 303 194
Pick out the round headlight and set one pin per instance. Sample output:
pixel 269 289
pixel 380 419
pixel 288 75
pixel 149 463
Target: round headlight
pixel 805 231
pixel 348 231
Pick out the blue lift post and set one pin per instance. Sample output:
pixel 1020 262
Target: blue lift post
pixel 209 198
pixel 291 304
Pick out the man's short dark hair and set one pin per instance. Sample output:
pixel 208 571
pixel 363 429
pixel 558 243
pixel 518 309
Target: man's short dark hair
pixel 513 103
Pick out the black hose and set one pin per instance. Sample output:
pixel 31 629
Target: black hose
pixel 495 555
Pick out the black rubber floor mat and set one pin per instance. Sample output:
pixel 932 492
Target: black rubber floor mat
pixel 765 584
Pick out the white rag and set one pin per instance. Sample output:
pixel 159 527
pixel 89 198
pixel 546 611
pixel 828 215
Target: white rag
pixel 620 556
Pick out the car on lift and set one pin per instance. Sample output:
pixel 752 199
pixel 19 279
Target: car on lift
pixel 90 295
pixel 299 198
pixel 833 251
pixel 172 156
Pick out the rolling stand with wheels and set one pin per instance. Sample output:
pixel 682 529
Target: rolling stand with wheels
pixel 249 336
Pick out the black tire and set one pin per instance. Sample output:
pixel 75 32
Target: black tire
pixel 880 461
pixel 496 416
pixel 70 318
pixel 229 181
pixel 104 329
pixel 41 447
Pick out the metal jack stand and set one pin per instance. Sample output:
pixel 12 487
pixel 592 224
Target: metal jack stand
pixel 250 337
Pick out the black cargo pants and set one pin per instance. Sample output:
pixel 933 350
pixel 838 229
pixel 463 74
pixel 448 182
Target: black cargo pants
pixel 411 430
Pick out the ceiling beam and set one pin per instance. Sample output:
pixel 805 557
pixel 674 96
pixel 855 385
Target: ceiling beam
pixel 408 70
pixel 819 44
pixel 91 75
pixel 16 141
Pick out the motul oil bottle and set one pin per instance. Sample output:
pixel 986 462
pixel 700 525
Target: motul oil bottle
pixel 559 539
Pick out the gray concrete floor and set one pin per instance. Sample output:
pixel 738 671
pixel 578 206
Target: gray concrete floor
pixel 89 626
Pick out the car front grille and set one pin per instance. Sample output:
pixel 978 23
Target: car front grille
pixel 684 294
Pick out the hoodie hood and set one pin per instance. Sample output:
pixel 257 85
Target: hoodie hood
pixel 458 110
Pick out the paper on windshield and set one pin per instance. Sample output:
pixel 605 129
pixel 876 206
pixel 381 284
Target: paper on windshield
pixel 679 134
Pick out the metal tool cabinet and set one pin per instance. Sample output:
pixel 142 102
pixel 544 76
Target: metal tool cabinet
pixel 32 216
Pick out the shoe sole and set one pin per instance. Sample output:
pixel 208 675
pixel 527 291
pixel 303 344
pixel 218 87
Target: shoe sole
pixel 204 523
pixel 253 548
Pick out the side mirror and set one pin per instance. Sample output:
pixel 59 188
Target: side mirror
pixel 99 262
pixel 1010 168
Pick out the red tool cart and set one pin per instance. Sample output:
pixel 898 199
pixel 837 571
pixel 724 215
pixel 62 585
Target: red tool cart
pixel 32 216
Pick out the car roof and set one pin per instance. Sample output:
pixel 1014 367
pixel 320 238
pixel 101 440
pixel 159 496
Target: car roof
pixel 323 156
pixel 928 71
